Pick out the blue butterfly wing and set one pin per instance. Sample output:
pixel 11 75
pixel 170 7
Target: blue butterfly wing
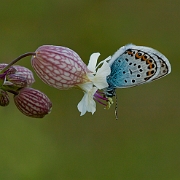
pixel 134 65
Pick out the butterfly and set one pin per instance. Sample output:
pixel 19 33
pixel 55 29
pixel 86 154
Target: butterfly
pixel 134 65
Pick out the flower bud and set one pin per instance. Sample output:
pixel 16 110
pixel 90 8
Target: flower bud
pixel 26 73
pixel 20 71
pixel 2 66
pixel 33 103
pixel 17 80
pixel 4 98
pixel 59 66
pixel 2 79
pixel 11 70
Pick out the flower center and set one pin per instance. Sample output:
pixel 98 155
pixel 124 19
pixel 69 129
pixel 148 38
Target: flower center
pixel 102 99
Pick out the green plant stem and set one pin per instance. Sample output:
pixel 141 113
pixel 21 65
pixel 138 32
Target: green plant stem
pixel 16 60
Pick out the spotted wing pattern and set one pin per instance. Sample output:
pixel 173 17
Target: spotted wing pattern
pixel 133 65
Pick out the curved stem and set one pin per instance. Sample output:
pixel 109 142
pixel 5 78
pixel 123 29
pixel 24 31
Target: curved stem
pixel 16 60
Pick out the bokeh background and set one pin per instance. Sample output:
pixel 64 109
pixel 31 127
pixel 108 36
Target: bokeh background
pixel 143 144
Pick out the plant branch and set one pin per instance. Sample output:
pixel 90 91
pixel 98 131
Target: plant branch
pixel 16 60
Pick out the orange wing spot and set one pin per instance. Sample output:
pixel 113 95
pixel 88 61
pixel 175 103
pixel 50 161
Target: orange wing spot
pixel 129 52
pixel 138 55
pixel 149 61
pixel 150 66
pixel 144 58
pixel 149 73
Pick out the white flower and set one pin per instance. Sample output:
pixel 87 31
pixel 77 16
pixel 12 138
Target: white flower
pixel 87 103
pixel 97 81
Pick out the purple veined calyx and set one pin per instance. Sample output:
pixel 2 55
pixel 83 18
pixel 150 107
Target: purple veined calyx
pixel 4 98
pixel 17 80
pixel 33 103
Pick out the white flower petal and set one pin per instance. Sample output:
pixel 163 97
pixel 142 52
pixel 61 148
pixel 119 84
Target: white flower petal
pixel 99 80
pixel 87 103
pixel 108 58
pixel 105 60
pixel 104 71
pixel 86 86
pixel 93 61
pixel 81 105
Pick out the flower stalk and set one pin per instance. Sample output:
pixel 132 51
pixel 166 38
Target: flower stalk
pixel 16 60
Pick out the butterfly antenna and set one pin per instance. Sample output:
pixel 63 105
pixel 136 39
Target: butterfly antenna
pixel 116 107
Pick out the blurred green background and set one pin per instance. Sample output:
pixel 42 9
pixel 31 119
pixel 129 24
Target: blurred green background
pixel 143 144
